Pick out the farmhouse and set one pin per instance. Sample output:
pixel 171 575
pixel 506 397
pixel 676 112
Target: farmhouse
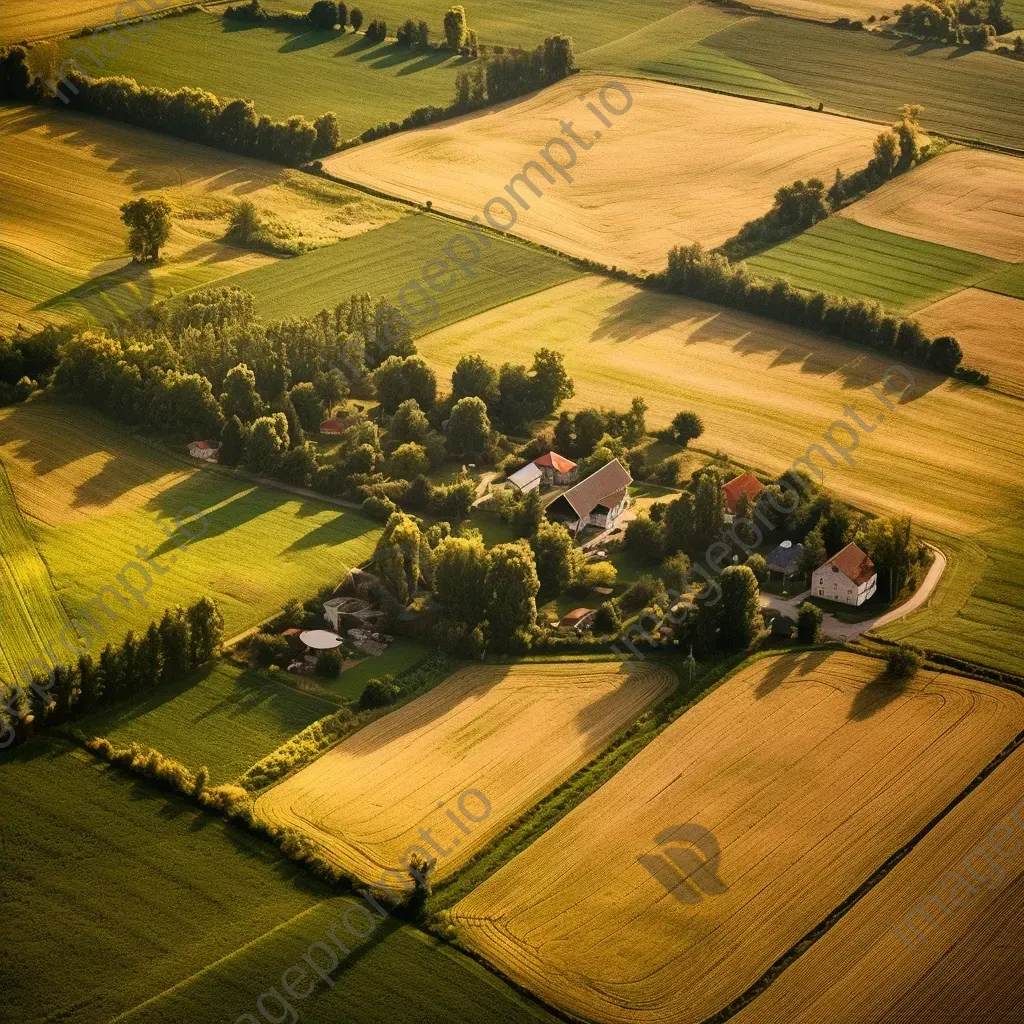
pixel 745 483
pixel 526 479
pixel 599 500
pixel 557 470
pixel 203 450
pixel 848 577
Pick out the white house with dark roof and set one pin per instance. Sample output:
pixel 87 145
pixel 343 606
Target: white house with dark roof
pixel 848 577
pixel 599 500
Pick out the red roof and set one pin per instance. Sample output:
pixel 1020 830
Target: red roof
pixel 745 483
pixel 557 462
pixel 853 563
pixel 576 616
pixel 334 425
pixel 202 445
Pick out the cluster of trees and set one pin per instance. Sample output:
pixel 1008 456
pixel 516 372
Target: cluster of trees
pixel 506 74
pixel 804 203
pixel 960 22
pixel 413 33
pixel 27 361
pixel 188 113
pixel 324 14
pixel 183 640
pixel 694 272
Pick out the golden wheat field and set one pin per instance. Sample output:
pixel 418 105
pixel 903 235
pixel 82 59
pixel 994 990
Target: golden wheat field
pixel 27 19
pixel 679 165
pixel 967 198
pixel 512 733
pixel 961 963
pixel 821 10
pixel 87 167
pixel 794 780
pixel 990 328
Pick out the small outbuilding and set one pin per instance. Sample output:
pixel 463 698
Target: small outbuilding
pixel 204 450
pixel 785 559
pixel 320 640
pixel 578 619
pixel 557 470
pixel 744 484
pixel 336 425
pixel 848 577
pixel 526 479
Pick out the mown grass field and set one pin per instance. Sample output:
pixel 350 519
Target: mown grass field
pixel 607 211
pixel 949 457
pixel 589 22
pixel 511 733
pixel 286 72
pixel 91 495
pixel 884 962
pixel 77 264
pixel 807 770
pixel 227 719
pixel 841 257
pixel 134 894
pixel 382 262
pixel 32 611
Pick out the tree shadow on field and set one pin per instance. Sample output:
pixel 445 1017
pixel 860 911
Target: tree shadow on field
pixel 330 533
pixel 357 45
pixel 787 667
pixel 876 695
pixel 429 60
pixel 307 40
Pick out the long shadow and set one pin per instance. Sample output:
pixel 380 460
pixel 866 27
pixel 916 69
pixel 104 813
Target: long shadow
pixel 307 40
pixel 329 533
pixel 133 284
pixel 788 667
pixel 429 60
pixel 876 695
pixel 358 44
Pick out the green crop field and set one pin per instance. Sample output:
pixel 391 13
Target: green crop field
pixel 381 262
pixel 92 494
pixel 284 72
pixel 589 22
pixel 766 392
pixel 32 612
pixel 841 257
pixel 967 95
pixel 1007 282
pixel 120 900
pixel 227 719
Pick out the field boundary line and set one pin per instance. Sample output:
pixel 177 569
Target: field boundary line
pixel 216 963
pixel 838 913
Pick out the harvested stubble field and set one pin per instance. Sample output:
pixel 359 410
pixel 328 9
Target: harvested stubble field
pixel 164 913
pixel 966 198
pixel 86 167
pixel 990 328
pixel 963 966
pixel 746 151
pixel 807 770
pixel 841 257
pixel 383 262
pixel 90 494
pixel 29 20
pixel 950 457
pixel 191 720
pixel 513 733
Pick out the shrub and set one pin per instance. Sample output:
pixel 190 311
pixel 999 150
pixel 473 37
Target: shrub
pixel 298 751
pixel 376 31
pixel 607 619
pixel 270 649
pixel 808 622
pixel 759 567
pixel 379 693
pixel 379 508
pixel 902 662
pixel 641 593
pixel 328 663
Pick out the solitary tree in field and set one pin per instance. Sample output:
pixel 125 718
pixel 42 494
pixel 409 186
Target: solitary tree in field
pixel 149 227
pixel 455 28
pixel 355 17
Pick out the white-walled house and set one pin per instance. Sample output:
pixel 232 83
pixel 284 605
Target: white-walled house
pixel 848 577
pixel 599 500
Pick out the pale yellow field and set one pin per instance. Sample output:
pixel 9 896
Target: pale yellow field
pixel 807 772
pixel 822 10
pixel 990 328
pixel 513 733
pixel 965 966
pixel 28 19
pixel 968 199
pixel 678 166
pixel 85 168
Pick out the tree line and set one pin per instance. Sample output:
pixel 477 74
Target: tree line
pixel 183 641
pixel 957 22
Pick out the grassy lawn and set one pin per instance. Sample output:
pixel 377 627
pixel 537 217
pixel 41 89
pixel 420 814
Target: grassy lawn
pixel 381 262
pixel 948 455
pixel 137 893
pixel 286 72
pixel 863 74
pixel 841 257
pixel 32 611
pixel 402 654
pixel 91 494
pixel 227 719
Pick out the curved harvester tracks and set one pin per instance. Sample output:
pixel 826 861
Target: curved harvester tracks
pixel 511 732
pixel 809 773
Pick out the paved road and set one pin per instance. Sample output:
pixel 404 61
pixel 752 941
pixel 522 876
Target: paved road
pixel 832 627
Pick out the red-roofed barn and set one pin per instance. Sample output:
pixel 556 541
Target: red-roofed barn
pixel 556 469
